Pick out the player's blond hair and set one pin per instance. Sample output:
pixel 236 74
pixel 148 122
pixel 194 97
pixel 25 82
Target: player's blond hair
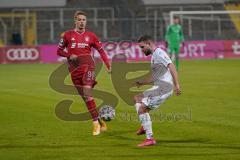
pixel 79 13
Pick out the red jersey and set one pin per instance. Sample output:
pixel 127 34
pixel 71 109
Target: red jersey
pixel 81 44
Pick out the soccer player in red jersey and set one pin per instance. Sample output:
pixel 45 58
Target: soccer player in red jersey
pixel 78 44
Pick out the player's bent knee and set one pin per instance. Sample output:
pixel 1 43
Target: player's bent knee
pixel 88 98
pixel 87 91
pixel 142 110
pixel 137 99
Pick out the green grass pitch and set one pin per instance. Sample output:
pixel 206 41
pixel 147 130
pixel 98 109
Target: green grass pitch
pixel 209 128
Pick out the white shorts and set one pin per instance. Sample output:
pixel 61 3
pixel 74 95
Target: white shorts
pixel 156 95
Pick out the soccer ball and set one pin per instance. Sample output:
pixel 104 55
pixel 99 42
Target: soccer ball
pixel 107 113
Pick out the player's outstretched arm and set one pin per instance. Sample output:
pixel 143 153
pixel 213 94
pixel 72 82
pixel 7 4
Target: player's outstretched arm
pixel 149 80
pixel 105 59
pixel 98 46
pixel 174 74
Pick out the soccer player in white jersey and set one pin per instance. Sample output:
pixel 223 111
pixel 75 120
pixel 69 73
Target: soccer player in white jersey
pixel 165 80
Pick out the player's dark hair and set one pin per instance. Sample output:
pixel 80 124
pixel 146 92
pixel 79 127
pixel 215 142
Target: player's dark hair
pixel 145 38
pixel 177 18
pixel 79 13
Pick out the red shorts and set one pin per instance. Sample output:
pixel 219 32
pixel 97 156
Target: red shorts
pixel 83 75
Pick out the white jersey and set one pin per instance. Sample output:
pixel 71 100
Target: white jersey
pixel 159 65
pixel 163 81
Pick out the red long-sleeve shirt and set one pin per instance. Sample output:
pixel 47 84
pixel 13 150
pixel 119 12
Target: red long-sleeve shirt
pixel 80 44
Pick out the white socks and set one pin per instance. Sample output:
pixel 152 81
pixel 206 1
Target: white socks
pixel 146 123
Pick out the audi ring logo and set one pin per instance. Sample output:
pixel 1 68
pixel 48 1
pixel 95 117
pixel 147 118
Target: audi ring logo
pixel 19 54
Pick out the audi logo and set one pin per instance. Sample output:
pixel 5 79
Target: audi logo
pixel 22 54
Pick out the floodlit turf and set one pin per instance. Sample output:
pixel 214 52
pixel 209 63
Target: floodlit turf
pixel 203 123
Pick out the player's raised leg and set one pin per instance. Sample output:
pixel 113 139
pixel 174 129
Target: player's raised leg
pixel 145 120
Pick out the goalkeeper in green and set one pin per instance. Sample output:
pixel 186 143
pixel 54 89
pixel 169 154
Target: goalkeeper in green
pixel 174 38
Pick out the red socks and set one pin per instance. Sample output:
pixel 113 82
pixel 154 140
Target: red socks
pixel 91 105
